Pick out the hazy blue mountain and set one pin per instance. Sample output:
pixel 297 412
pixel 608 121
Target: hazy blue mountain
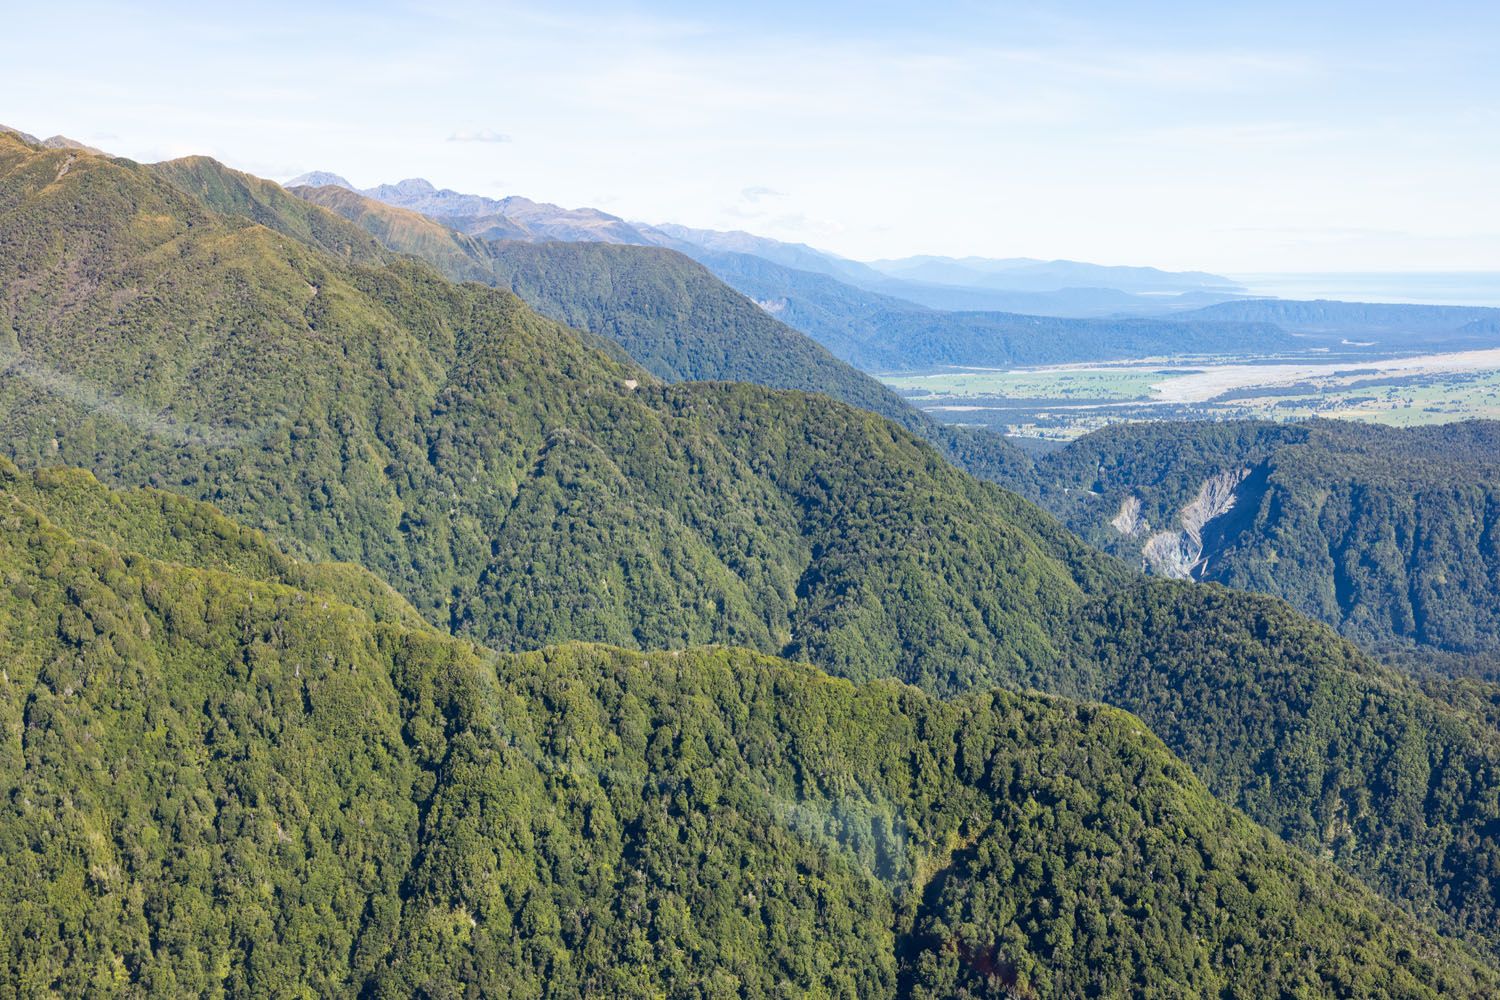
pixel 1062 288
pixel 319 178
pixel 796 255
pixel 883 333
pixel 1395 324
pixel 1066 302
pixel 1023 274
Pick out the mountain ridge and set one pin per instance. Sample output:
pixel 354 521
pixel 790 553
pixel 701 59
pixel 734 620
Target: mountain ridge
pixel 523 485
pixel 301 799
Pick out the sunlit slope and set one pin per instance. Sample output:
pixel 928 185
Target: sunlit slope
pixel 219 785
pixel 669 313
pixel 516 483
pixel 523 486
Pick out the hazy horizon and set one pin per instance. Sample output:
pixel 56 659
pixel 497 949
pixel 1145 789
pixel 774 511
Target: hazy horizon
pixel 1342 139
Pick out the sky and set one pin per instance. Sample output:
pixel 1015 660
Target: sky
pixel 1236 138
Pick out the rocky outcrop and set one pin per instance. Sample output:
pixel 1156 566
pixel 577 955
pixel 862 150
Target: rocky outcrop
pixel 1128 521
pixel 1179 553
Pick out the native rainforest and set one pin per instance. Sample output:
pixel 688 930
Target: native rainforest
pixel 410 594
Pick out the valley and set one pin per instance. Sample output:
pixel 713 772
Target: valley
pixel 1064 402
pixel 697 548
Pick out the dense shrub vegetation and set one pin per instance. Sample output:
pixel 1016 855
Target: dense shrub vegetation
pixel 523 484
pixel 220 786
pixel 670 314
pixel 1392 536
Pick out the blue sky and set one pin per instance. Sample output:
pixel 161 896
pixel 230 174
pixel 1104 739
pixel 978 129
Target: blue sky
pixel 1234 137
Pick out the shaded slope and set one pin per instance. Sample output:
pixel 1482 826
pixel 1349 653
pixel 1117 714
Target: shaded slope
pixel 1390 535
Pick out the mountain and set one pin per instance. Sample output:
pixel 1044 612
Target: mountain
pixel 881 334
pixel 868 330
pixel 228 785
pixel 319 178
pixel 877 332
pixel 794 255
pixel 1388 534
pixel 506 218
pixel 1055 288
pixel 54 142
pixel 522 484
pixel 517 481
pixel 670 314
pixel 1384 327
pixel 1023 274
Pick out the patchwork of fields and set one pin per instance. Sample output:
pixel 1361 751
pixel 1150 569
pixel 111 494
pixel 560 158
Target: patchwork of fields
pixel 1064 402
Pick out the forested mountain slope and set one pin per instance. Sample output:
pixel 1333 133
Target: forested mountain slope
pixel 515 482
pixel 175 529
pixel 670 314
pixel 1391 535
pixel 215 785
pixel 1394 326
pixel 881 332
pixel 523 486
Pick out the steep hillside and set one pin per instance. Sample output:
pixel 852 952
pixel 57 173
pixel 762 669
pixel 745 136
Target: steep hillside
pixel 217 785
pixel 513 481
pixel 1390 535
pixel 521 486
pixel 670 314
pixel 1348 760
pixel 865 317
pixel 678 320
pixel 194 534
pixel 263 202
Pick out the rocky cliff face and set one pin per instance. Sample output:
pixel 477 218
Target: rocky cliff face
pixel 1177 552
pixel 1129 521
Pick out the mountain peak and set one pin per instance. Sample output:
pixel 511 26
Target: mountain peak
pixel 415 186
pixel 54 142
pixel 319 178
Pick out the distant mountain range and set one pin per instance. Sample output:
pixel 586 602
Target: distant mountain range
pixel 1058 288
pixel 1024 274
pixel 54 142
pixel 925 311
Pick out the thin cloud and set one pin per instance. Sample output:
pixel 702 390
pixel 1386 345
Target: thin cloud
pixel 757 194
pixel 479 135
